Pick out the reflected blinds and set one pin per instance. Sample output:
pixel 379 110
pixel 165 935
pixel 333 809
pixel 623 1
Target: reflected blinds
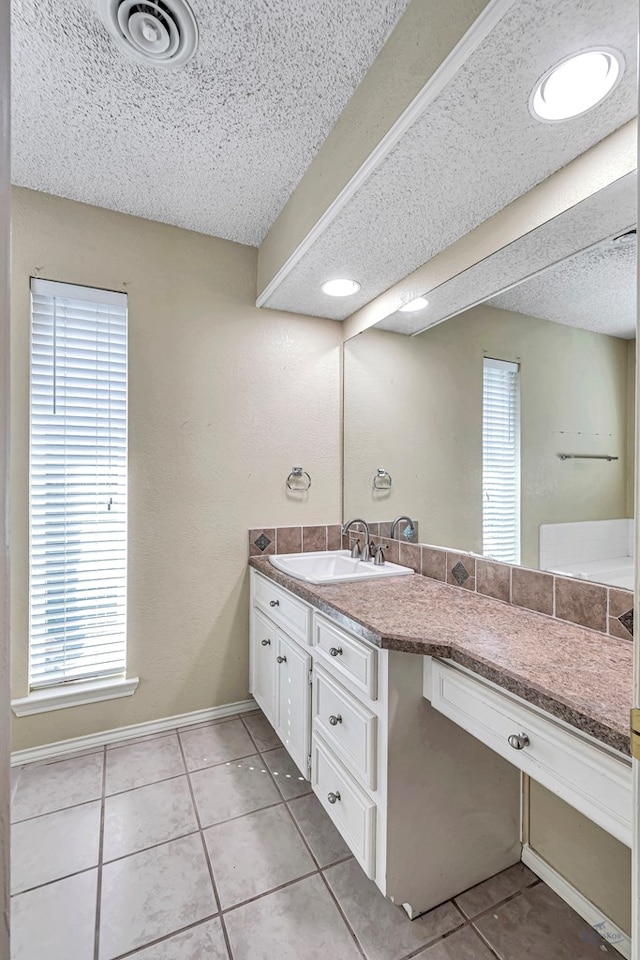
pixel 78 483
pixel 501 461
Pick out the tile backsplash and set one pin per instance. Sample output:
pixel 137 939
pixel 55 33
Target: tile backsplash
pixel 605 609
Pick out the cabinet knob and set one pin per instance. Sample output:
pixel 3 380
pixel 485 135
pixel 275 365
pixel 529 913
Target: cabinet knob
pixel 519 741
pixel 281 659
pixel 266 643
pixel 333 797
pixel 336 651
pixel 274 603
pixel 335 720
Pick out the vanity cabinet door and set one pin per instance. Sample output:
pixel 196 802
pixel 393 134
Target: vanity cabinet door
pixel 263 664
pixel 293 700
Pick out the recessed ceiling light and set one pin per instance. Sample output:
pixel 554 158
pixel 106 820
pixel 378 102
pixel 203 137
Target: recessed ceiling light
pixel 418 304
pixel 576 84
pixel 340 287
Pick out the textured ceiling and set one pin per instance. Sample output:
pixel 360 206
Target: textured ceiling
pixel 606 213
pixel 474 150
pixel 216 146
pixel 595 290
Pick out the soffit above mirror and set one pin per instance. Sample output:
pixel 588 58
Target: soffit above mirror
pixel 472 151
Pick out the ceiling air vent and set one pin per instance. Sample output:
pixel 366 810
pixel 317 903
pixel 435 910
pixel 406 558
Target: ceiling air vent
pixel 163 33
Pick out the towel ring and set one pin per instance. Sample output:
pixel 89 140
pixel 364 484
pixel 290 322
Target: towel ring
pixel 297 473
pixel 382 479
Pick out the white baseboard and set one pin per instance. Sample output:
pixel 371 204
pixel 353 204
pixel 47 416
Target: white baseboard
pixel 608 930
pixel 48 750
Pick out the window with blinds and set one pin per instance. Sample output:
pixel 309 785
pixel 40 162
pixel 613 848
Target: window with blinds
pixel 78 483
pixel 501 461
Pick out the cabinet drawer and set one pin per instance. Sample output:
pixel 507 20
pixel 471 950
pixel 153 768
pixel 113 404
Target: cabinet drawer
pixel 352 810
pixel 347 726
pixel 283 608
pixel 346 656
pixel 594 780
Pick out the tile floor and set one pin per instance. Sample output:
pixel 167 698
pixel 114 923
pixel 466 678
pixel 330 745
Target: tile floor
pixel 205 843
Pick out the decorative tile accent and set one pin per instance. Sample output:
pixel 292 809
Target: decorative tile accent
pixel 627 621
pixel 262 542
pixel 460 573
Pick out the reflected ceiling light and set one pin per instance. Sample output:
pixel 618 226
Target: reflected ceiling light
pixel 576 84
pixel 418 304
pixel 340 287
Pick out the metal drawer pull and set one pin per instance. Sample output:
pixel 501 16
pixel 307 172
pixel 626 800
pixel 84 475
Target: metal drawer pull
pixel 336 651
pixel 519 741
pixel 334 796
pixel 274 603
pixel 281 659
pixel 266 643
pixel 334 721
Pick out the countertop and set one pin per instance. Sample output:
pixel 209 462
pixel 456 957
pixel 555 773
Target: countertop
pixel 578 675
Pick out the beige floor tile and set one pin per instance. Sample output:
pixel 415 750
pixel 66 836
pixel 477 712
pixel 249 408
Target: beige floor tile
pixel 288 778
pixel 15 776
pixel 147 815
pixel 152 894
pixel 492 891
pixel 204 942
pixel 326 843
pixel 232 789
pixel 56 922
pixel 464 944
pixel 215 743
pixel 255 854
pixel 300 922
pixel 384 930
pixel 539 925
pixel 54 846
pixel 45 787
pixel 262 732
pixel 143 761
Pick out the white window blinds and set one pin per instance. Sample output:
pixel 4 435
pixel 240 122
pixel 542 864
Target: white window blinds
pixel 78 483
pixel 501 461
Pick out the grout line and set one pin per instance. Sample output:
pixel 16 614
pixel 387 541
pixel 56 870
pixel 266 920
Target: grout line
pixel 266 893
pixel 49 813
pixel 167 936
pixel 207 857
pixel 48 883
pixel 96 948
pixel 343 915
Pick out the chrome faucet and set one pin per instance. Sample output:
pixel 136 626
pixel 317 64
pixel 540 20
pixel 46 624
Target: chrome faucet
pixel 356 553
pixel 394 527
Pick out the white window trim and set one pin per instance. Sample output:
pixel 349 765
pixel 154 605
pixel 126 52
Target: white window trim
pixel 74 695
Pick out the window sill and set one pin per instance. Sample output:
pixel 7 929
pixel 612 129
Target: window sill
pixel 73 695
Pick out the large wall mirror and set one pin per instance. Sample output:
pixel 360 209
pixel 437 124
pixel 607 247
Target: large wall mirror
pixel 507 428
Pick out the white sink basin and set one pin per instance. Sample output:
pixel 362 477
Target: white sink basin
pixel 333 566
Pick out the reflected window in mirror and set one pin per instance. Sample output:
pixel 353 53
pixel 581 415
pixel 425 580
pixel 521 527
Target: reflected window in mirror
pixel 501 460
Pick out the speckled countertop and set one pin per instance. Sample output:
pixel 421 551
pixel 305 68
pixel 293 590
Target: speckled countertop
pixel 581 676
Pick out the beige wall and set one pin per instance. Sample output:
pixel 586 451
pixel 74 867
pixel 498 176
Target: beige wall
pixel 224 399
pixel 414 406
pixel 590 859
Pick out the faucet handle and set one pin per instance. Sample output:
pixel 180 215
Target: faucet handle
pixel 355 550
pixel 378 555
